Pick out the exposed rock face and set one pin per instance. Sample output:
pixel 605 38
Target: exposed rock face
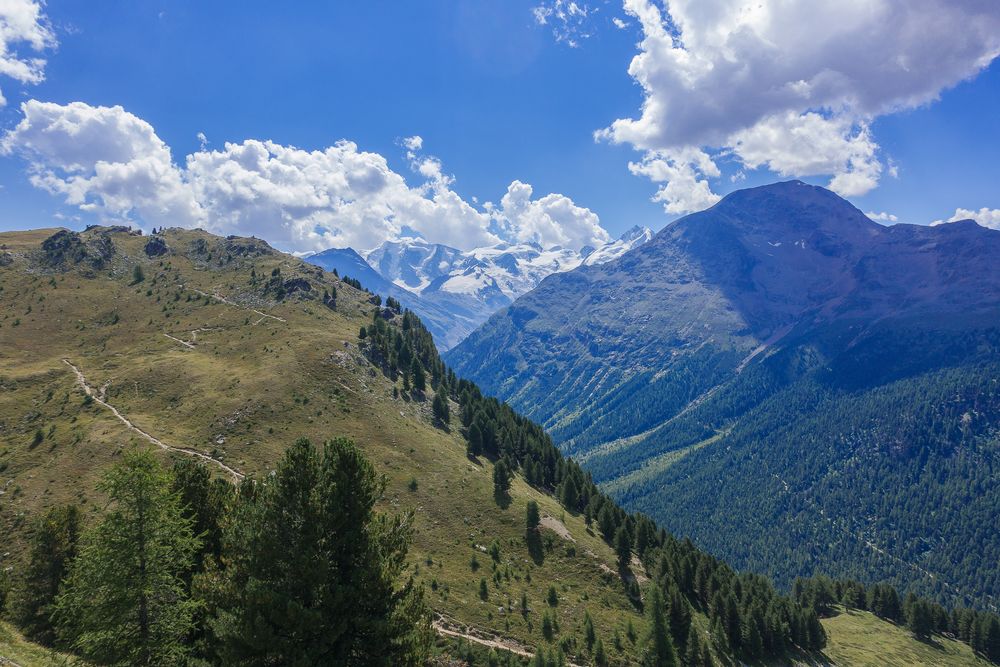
pixel 293 285
pixel 239 246
pixel 65 248
pixel 156 246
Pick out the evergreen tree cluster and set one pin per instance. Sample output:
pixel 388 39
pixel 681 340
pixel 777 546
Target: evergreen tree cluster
pixel 749 618
pixel 181 569
pixel 923 617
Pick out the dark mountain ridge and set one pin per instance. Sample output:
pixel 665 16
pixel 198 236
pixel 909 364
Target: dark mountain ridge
pixel 696 378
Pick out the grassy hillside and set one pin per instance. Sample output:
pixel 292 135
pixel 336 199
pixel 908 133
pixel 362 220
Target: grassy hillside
pixel 16 650
pixel 221 350
pixel 860 638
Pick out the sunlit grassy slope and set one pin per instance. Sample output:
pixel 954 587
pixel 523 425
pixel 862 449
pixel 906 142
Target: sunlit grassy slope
pixel 258 373
pixel 14 648
pixel 861 638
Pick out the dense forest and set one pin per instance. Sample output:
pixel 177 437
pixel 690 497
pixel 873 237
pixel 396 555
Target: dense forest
pixel 748 617
pixel 891 465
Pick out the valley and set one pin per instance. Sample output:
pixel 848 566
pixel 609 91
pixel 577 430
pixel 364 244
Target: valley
pixel 780 371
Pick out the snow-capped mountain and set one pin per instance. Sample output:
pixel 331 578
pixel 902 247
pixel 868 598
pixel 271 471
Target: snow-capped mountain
pixel 469 285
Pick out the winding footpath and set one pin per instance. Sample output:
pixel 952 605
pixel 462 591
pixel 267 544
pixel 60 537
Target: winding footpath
pixel 82 381
pixel 451 628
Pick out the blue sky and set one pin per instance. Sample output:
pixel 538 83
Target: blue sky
pixel 496 95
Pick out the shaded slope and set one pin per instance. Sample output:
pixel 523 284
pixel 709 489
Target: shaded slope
pixel 747 326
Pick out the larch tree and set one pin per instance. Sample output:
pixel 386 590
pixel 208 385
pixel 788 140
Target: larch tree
pixel 125 600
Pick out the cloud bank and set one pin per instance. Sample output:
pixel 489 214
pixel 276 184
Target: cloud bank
pixel 790 85
pixel 110 163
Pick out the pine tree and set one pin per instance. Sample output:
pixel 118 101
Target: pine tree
pixel 205 502
pixel 475 440
pixel 659 649
pixel 623 548
pixel 589 635
pixel 532 517
pixel 569 494
pixel 419 379
pixel 484 591
pixel 548 631
pixel 679 613
pixel 552 598
pixel 52 548
pixel 600 656
pixel 125 600
pixel 919 617
pixel 313 573
pixel 752 644
pixel 606 522
pixel 693 648
pixel 990 637
pixel 440 408
pixel 501 479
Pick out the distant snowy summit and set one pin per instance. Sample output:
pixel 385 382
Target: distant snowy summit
pixel 455 291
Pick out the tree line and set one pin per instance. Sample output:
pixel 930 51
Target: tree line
pixel 296 568
pixel 922 616
pixel 748 617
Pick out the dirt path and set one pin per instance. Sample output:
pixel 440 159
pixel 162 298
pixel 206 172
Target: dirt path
pixel 452 628
pixel 178 340
pixel 263 316
pixel 82 381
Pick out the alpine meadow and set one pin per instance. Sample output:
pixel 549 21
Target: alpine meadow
pixel 547 333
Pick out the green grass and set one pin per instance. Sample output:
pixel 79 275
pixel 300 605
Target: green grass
pixel 860 638
pixel 247 390
pixel 654 466
pixel 15 648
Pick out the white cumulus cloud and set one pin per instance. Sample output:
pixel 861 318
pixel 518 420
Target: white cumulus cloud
pixel 108 162
pixel 793 85
pixel 987 217
pixel 550 220
pixel 883 217
pixel 23 26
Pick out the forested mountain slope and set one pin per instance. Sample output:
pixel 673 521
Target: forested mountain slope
pixel 224 352
pixel 795 386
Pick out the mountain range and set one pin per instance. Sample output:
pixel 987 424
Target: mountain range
pixel 792 384
pixel 455 291
pixel 216 353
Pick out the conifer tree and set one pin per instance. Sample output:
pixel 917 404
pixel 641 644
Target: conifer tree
pixel 125 600
pixel 693 648
pixel 312 571
pixel 440 408
pixel 532 516
pixel 501 479
pixel 52 548
pixel 623 548
pixel 589 635
pixel 474 445
pixel 419 379
pixel 600 656
pixel 658 650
